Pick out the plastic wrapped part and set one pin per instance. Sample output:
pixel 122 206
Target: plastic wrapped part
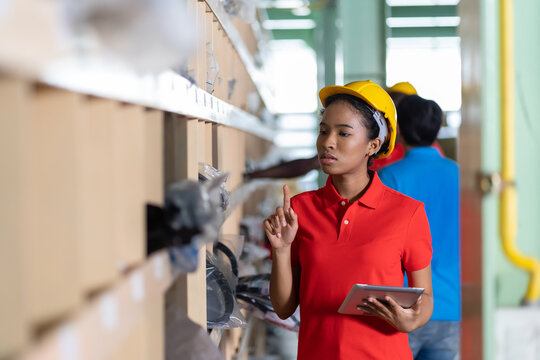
pixel 234 242
pixel 222 309
pixel 150 35
pixel 231 84
pixel 187 73
pixel 207 172
pixel 193 211
pixel 185 259
pixel 219 295
pixel 159 235
pixel 243 9
pixel 186 340
pixel 255 284
pixel 263 302
pixel 260 310
pixel 253 102
pixel 233 263
pixel 242 193
pixel 252 256
pixel 226 262
pixel 190 218
pixel 254 295
pixel 212 70
pixel 254 229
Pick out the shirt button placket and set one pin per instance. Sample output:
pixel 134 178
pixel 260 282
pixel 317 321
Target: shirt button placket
pixel 343 233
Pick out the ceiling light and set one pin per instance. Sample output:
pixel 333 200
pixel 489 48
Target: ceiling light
pixel 292 24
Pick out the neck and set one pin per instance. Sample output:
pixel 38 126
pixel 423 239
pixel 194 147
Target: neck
pixel 351 186
pixel 407 147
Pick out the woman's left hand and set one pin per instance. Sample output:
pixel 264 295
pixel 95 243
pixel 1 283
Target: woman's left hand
pixel 404 320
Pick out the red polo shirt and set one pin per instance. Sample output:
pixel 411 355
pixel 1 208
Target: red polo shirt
pixel 371 241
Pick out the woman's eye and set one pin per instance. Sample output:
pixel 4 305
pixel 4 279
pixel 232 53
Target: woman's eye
pixel 344 134
pixel 322 132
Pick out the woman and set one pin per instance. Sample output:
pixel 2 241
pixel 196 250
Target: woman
pixel 353 230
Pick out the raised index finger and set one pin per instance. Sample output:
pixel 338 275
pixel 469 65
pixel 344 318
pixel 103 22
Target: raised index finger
pixel 286 198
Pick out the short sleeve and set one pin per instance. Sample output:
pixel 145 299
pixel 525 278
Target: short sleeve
pixel 417 249
pixel 295 261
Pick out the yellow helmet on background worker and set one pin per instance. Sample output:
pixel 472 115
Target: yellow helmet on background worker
pixel 403 88
pixel 376 97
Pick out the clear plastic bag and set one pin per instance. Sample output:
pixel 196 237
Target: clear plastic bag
pixel 253 293
pixel 194 209
pixel 234 242
pixel 190 218
pixel 261 311
pixel 231 85
pixel 185 339
pixel 244 9
pixel 212 70
pixel 253 227
pixel 222 308
pixel 255 284
pixel 150 35
pixel 252 258
pixel 208 172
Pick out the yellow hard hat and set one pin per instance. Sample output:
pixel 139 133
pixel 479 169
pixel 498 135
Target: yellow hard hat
pixel 403 88
pixel 376 97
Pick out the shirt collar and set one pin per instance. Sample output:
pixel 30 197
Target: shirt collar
pixel 370 199
pixel 422 151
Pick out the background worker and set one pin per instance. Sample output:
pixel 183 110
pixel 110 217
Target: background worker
pixel 426 176
pixel 353 230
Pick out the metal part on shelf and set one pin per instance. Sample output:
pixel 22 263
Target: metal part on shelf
pixel 257 76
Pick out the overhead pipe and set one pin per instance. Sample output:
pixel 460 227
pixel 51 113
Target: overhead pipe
pixel 508 196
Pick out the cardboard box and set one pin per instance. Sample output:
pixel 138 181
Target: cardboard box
pixel 13 101
pixel 155 162
pixel 95 195
pixel 49 184
pixel 129 185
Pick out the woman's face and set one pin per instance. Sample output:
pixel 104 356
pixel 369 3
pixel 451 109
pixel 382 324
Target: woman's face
pixel 343 145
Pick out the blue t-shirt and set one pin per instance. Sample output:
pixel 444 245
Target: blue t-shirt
pixel 426 176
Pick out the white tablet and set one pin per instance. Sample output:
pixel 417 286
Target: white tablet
pixel 404 296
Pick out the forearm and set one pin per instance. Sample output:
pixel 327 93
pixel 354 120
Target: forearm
pixel 422 279
pixel 286 170
pixel 425 310
pixel 283 280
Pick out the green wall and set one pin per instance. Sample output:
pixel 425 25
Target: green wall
pixel 363 40
pixel 511 281
pixel 504 284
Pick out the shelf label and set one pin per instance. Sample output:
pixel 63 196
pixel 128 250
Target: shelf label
pixel 109 311
pixel 68 343
pixel 137 286
pixel 158 267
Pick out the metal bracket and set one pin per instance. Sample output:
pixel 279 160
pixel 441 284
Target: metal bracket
pixel 493 183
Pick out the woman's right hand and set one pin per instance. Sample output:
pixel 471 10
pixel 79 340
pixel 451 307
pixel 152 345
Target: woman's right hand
pixel 282 225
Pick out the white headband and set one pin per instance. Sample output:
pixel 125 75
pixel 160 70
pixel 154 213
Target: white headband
pixel 383 128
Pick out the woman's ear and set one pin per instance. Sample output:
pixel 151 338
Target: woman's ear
pixel 373 146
